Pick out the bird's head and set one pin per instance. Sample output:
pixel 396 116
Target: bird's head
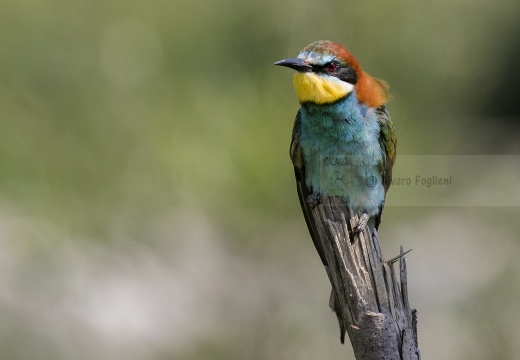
pixel 327 72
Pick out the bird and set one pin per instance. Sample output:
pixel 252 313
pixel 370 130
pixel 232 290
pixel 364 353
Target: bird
pixel 343 141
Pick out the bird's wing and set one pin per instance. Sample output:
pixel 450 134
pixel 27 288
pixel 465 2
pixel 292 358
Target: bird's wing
pixel 303 191
pixel 388 141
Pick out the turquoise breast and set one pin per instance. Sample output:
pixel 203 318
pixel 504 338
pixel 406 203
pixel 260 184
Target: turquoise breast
pixel 342 153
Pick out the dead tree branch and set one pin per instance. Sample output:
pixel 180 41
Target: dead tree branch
pixel 368 297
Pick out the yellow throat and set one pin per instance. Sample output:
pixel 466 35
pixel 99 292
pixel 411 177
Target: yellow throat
pixel 320 89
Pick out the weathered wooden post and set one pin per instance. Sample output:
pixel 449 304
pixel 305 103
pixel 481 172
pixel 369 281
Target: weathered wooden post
pixel 368 297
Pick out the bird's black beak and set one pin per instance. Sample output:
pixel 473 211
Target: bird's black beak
pixel 296 64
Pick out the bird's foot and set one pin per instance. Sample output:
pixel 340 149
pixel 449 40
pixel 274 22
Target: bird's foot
pixel 363 221
pixel 314 199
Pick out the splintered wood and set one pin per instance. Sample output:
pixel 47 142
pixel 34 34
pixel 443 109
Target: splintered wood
pixel 370 301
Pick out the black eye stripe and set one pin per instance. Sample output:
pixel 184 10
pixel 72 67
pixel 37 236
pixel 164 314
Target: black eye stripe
pixel 326 65
pixel 345 73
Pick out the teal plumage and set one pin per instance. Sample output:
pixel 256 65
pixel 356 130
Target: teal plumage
pixel 343 156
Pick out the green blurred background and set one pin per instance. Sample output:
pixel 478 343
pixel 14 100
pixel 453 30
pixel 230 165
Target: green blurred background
pixel 147 200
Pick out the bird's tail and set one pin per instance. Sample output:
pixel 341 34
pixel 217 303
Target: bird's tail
pixel 334 305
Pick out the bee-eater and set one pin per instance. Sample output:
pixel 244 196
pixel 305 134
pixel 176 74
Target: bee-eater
pixel 343 141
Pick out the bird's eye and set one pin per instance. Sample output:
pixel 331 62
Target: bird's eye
pixel 331 66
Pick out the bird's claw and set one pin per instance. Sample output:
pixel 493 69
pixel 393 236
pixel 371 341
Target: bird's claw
pixel 363 221
pixel 314 199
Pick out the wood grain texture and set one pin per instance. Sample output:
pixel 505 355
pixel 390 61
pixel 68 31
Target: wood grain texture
pixel 369 298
